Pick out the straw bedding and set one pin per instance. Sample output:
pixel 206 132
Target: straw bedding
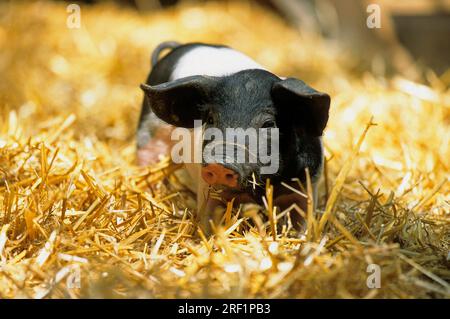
pixel 78 217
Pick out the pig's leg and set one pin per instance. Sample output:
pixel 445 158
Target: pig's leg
pixel 206 206
pixel 209 208
pixel 212 211
pixel 153 138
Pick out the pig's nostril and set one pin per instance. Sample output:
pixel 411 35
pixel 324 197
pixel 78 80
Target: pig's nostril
pixel 214 174
pixel 229 177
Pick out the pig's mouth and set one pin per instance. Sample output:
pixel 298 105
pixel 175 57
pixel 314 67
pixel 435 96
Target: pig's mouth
pixel 243 193
pixel 225 195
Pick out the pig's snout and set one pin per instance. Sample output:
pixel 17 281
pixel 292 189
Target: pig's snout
pixel 216 174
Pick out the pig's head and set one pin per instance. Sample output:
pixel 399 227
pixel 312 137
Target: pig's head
pixel 281 114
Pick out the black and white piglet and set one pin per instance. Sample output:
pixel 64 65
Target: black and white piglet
pixel 226 89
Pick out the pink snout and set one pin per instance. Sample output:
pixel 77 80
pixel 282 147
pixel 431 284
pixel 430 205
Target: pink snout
pixel 216 174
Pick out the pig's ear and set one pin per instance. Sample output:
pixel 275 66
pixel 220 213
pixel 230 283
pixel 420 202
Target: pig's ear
pixel 178 102
pixel 301 103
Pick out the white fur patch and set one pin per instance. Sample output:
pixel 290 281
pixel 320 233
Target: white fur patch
pixel 213 62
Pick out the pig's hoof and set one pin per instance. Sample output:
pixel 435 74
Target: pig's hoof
pixel 152 153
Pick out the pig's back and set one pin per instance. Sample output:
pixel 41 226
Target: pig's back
pixel 212 61
pixel 200 59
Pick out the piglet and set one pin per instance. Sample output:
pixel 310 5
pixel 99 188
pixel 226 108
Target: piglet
pixel 226 101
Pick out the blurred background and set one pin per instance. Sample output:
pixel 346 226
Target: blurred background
pixel 414 29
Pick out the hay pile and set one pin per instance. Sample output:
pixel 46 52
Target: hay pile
pixel 79 219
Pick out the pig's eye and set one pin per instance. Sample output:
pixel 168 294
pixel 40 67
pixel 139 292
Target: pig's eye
pixel 210 120
pixel 268 124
